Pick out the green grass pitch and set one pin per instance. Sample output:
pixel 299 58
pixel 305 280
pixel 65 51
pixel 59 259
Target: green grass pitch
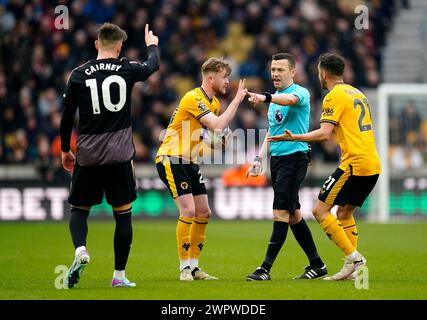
pixel 396 254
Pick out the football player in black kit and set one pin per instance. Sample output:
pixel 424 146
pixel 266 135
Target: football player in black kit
pixel 101 90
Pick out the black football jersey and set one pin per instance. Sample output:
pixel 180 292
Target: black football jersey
pixel 101 90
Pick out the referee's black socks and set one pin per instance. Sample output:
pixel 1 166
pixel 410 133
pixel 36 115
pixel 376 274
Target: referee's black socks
pixel 303 235
pixel 122 238
pixel 277 239
pixel 78 226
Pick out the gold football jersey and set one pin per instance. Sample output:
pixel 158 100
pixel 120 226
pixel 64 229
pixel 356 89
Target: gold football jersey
pixel 183 134
pixel 348 109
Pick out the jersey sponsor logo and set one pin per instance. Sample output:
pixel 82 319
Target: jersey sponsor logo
pixel 328 112
pixel 278 116
pixel 352 91
pixel 202 107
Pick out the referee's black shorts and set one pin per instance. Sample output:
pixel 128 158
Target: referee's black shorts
pixel 287 174
pixel 88 184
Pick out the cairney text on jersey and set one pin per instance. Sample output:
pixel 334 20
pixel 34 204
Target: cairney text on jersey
pixel 102 66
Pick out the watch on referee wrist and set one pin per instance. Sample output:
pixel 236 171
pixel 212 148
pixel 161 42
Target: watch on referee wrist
pixel 267 97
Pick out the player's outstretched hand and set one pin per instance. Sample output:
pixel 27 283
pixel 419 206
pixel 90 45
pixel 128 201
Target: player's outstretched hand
pixel 150 38
pixel 68 161
pixel 287 136
pixel 241 91
pixel 255 98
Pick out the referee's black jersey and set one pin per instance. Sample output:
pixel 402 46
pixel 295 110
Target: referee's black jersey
pixel 101 91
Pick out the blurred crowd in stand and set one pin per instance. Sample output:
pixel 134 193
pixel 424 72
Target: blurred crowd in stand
pixel 36 59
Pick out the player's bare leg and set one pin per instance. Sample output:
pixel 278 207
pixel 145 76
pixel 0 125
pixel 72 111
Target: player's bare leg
pixel 186 207
pixel 198 236
pixel 334 230
pixel 122 244
pixel 78 230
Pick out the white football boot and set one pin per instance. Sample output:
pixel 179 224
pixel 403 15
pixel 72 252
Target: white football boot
pixel 74 273
pixel 349 270
pixel 199 274
pixel 186 275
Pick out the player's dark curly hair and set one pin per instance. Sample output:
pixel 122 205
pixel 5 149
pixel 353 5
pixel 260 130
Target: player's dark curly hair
pixel 332 63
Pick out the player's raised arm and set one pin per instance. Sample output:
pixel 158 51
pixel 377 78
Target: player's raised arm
pixel 152 63
pixel 213 122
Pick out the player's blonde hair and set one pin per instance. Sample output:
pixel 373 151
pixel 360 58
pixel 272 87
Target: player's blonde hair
pixel 109 34
pixel 214 64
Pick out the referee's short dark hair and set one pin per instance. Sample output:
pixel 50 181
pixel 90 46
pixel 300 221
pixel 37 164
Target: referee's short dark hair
pixel 284 55
pixel 110 33
pixel 332 63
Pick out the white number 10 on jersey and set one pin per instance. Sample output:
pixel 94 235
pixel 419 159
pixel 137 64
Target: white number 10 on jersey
pixel 106 96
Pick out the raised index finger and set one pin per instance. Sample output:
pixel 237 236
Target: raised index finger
pixel 146 28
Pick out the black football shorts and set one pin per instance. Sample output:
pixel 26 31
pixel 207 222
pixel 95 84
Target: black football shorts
pixel 342 187
pixel 287 174
pixel 181 177
pixel 89 184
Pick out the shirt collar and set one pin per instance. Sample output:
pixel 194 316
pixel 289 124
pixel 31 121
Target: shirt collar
pixel 285 89
pixel 206 96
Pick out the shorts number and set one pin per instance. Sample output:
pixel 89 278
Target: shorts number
pixel 201 177
pixel 106 95
pixel 328 183
pixel 362 127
